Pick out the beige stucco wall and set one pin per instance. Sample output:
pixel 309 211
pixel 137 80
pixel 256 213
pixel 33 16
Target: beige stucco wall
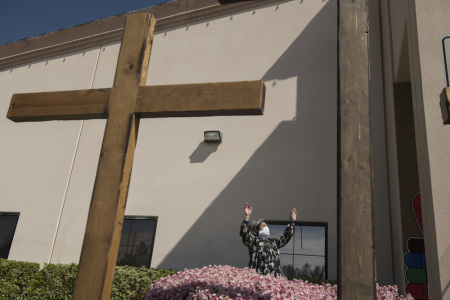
pixel 393 16
pixel 76 205
pixel 37 158
pixel 283 159
pixel 417 29
pixel 428 82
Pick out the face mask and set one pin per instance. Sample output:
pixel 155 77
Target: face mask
pixel 264 233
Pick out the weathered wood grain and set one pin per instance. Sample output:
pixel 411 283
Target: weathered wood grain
pixel 147 52
pixel 205 99
pixel 356 273
pixel 104 224
pixel 66 105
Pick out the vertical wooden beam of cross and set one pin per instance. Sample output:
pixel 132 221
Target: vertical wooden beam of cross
pixel 107 208
pixel 123 105
pixel 356 267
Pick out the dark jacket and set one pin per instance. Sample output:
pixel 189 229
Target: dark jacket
pixel 264 254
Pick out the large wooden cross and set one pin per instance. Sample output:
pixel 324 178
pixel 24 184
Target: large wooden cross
pixel 123 105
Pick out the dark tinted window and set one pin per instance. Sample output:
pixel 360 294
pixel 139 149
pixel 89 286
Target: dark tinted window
pixel 136 243
pixel 8 223
pixel 306 253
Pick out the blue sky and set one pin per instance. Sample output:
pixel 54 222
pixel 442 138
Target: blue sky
pixel 20 19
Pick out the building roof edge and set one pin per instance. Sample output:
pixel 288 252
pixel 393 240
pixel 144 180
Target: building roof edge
pixel 169 15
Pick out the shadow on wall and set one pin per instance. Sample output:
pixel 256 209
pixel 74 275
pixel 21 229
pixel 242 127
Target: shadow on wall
pixel 203 151
pixel 294 167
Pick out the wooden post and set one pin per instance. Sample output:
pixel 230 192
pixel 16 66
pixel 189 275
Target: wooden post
pixel 356 251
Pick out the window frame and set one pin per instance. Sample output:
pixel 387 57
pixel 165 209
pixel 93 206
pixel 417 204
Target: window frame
pixel 153 238
pixel 302 223
pixel 15 227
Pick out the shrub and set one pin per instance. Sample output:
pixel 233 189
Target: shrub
pixel 130 282
pixel 53 282
pixel 15 276
pixel 227 282
pixel 23 280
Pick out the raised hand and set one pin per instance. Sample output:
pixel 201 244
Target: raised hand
pixel 294 214
pixel 248 211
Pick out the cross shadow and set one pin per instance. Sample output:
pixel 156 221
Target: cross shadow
pixel 270 182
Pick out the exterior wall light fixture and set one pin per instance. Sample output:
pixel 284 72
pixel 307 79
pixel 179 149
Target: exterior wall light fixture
pixel 213 136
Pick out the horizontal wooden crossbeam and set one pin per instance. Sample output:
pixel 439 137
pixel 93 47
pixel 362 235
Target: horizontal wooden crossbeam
pixel 67 105
pixel 205 99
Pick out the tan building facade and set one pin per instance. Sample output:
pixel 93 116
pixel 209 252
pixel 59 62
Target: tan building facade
pixel 195 191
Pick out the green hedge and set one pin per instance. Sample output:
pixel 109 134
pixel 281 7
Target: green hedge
pixel 52 282
pixel 24 280
pixel 15 277
pixel 130 282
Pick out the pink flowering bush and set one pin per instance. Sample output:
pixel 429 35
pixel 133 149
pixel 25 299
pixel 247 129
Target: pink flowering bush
pixel 226 282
